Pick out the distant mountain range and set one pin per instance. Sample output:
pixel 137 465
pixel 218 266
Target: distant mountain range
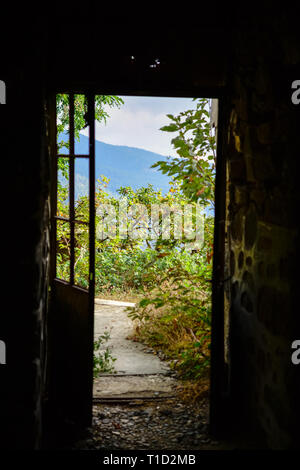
pixel 124 166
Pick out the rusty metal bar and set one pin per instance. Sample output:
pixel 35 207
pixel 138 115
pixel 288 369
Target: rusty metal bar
pixel 65 219
pixel 71 187
pixel 72 155
pixel 91 117
pixel 53 205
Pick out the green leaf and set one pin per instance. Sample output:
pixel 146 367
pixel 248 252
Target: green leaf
pixel 169 128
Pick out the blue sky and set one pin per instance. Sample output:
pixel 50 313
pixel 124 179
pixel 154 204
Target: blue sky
pixel 137 123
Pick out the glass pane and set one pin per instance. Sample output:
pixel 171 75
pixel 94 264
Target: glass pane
pixel 62 124
pixel 81 125
pixel 63 250
pixel 81 170
pixel 81 265
pixel 63 187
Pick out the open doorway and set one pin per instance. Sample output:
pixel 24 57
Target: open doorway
pixel 142 242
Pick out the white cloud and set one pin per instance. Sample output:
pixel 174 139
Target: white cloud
pixel 137 123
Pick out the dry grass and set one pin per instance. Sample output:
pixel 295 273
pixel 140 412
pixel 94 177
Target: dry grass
pixel 192 391
pixel 174 336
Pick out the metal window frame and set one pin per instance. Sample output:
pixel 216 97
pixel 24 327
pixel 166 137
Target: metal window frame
pixel 71 220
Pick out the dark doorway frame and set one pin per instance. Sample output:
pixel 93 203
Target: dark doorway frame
pixel 219 375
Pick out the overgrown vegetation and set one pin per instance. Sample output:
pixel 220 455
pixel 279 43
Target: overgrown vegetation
pixel 175 315
pixel 103 360
pixel 170 278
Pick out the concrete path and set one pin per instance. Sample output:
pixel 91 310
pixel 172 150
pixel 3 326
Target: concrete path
pixel 138 372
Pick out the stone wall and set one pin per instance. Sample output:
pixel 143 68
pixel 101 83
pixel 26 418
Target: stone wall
pixel 261 227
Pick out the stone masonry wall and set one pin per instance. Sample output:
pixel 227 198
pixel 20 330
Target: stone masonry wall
pixel 262 233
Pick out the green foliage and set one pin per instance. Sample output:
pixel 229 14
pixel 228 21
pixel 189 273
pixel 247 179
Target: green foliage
pixel 195 145
pixel 174 281
pixel 80 113
pixel 102 102
pixel 175 315
pixel 103 361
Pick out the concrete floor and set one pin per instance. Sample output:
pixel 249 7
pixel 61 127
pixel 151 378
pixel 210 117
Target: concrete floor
pixel 138 372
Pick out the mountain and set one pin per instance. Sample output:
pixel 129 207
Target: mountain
pixel 124 166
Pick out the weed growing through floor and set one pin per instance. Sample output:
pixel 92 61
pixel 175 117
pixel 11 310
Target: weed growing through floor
pixel 103 361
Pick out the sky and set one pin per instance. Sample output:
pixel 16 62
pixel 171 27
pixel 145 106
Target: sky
pixel 137 123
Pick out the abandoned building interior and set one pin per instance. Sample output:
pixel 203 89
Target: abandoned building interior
pixel 248 60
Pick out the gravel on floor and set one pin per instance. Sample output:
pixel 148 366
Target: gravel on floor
pixel 163 425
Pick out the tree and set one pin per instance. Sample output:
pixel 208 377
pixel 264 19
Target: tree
pixel 63 232
pixel 80 110
pixel 175 315
pixel 80 122
pixel 195 145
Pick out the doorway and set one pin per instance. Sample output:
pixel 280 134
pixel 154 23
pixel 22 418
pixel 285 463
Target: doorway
pixel 73 292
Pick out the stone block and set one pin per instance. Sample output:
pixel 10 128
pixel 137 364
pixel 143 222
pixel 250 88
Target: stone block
pixel 250 227
pixel 237 170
